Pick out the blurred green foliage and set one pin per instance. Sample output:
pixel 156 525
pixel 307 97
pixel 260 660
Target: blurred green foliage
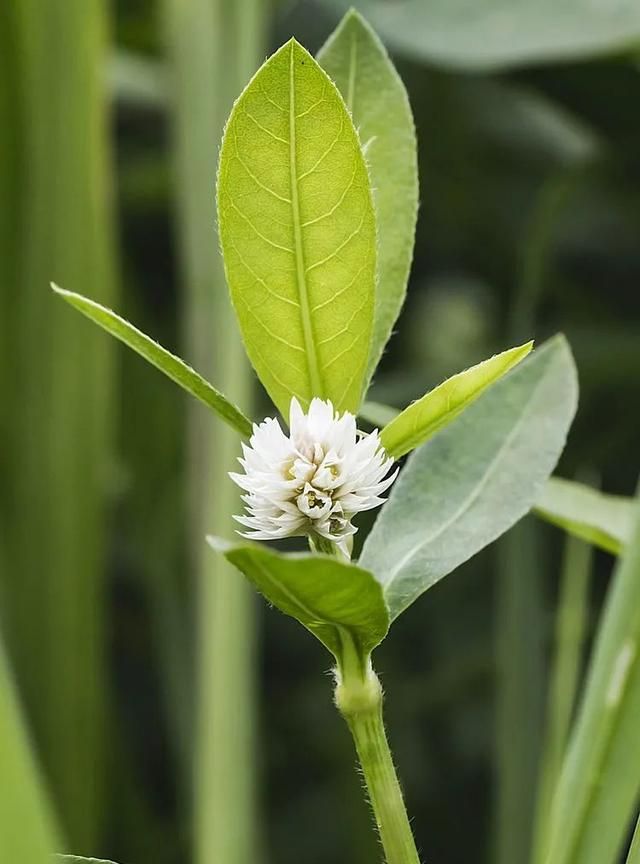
pixel 529 223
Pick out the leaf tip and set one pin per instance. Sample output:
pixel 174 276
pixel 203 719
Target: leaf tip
pixel 219 544
pixel 58 290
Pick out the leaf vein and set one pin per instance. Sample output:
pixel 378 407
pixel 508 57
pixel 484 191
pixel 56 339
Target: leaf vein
pixel 259 233
pixel 255 179
pixel 269 331
pixel 339 293
pixel 336 251
pixel 336 205
pixel 259 279
pixel 265 129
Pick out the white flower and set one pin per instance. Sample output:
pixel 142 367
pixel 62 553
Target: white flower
pixel 315 480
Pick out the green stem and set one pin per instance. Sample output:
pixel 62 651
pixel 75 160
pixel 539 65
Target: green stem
pixel 359 700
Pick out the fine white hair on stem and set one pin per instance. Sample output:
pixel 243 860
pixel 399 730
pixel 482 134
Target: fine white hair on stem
pixel 314 480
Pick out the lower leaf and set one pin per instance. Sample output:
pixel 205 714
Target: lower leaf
pixel 340 603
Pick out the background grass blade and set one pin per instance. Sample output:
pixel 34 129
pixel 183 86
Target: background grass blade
pixel 60 409
pixel 603 520
pixel 215 47
pixel 357 61
pixel 597 791
pixel 519 687
pixel 569 642
pixel 27 832
pixel 634 852
pixel 172 366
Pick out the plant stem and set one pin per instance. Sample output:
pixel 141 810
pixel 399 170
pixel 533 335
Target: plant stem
pixel 359 700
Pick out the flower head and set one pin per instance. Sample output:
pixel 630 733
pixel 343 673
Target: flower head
pixel 313 481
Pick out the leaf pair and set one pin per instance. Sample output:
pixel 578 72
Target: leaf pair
pixel 315 287
pixel 456 494
pixel 317 264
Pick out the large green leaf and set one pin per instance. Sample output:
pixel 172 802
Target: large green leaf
pixel 489 34
pixel 340 603
pixel 172 366
pixel 297 228
pixel 603 520
pixel 598 789
pixel 475 479
pixel 27 832
pixel 358 62
pixel 422 419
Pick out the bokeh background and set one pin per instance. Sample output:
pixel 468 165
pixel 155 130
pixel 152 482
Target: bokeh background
pixel 175 716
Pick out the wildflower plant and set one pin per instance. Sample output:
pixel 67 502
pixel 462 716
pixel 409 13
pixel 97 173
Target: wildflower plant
pixel 317 199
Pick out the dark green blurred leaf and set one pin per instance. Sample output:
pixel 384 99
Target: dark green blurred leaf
pixel 474 480
pixel 491 34
pixel 604 520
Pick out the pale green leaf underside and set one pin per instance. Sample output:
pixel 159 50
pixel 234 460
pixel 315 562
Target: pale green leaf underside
pixel 475 479
pixel 297 229
pixel 333 599
pixel 172 366
pixel 597 794
pixel 358 62
pixel 491 34
pixel 422 419
pixel 603 520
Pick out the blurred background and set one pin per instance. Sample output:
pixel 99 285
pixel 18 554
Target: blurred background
pixel 176 718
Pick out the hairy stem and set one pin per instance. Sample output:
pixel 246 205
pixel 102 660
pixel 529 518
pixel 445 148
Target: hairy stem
pixel 359 700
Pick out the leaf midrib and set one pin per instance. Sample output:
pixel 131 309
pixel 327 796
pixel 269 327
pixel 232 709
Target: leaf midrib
pixel 311 354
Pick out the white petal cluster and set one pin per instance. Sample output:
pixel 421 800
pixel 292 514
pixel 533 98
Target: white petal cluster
pixel 313 481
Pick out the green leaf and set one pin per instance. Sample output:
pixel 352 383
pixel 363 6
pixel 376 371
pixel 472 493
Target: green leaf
pixel 475 479
pixel 298 234
pixel 490 34
pixel 359 64
pixel 603 520
pixel 340 603
pixel 172 366
pixel 422 419
pixel 597 794
pixel 27 831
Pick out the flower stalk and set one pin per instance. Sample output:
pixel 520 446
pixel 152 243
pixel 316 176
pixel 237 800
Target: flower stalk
pixel 359 699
